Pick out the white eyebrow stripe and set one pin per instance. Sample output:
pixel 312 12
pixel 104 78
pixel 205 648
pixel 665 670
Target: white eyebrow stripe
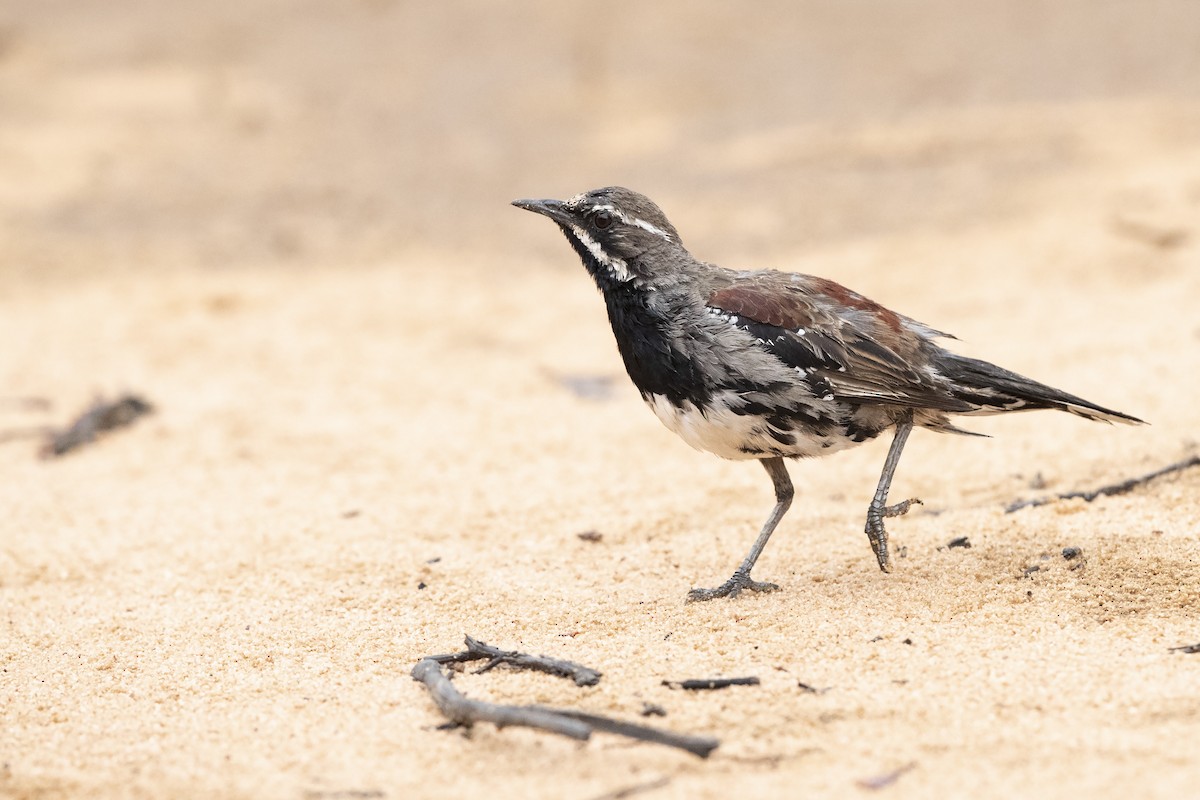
pixel 646 226
pixel 640 223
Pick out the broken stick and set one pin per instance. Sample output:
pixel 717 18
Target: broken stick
pixel 574 724
pixel 1104 491
pixel 885 780
pixel 711 683
pixel 477 651
pixel 101 416
pixel 463 711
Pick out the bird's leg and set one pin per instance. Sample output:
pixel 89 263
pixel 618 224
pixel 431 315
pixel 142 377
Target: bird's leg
pixel 741 578
pixel 878 509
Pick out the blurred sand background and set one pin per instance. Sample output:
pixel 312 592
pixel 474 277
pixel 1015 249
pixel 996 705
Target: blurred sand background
pixel 286 224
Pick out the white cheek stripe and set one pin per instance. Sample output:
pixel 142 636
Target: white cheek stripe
pixel 616 266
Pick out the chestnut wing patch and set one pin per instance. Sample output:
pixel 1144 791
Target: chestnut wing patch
pixel 784 325
pixel 836 353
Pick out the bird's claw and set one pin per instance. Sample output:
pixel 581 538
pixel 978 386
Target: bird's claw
pixel 731 588
pixel 877 535
pixel 876 532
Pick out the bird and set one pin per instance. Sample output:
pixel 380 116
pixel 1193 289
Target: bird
pixel 770 365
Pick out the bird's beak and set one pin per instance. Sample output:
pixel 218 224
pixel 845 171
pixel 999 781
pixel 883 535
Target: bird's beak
pixel 554 209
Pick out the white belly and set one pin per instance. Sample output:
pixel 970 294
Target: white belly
pixel 720 431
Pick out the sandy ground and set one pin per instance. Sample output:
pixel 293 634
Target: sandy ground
pixel 286 225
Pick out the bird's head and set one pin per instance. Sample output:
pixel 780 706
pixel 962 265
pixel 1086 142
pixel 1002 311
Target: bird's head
pixel 615 231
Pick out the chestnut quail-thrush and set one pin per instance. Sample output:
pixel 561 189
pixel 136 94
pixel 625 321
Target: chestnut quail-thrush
pixel 771 365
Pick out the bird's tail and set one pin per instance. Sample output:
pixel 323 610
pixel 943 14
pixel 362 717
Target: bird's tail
pixel 994 390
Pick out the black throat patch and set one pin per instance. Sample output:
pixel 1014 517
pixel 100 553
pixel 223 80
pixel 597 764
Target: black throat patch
pixel 654 366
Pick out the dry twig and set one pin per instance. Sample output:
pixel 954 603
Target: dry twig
pixel 637 788
pixel 1111 489
pixel 101 416
pixel 477 651
pixel 463 711
pixel 886 779
pixel 711 683
pixel 565 722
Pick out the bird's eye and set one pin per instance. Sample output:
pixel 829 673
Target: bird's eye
pixel 602 219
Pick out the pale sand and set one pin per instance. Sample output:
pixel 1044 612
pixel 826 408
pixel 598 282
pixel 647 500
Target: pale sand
pixel 245 218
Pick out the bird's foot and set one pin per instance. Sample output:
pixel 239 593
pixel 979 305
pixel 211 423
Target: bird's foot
pixel 731 588
pixel 877 534
pixel 900 509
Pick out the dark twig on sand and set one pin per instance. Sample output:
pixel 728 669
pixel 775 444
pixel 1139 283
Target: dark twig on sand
pixel 637 788
pixel 711 683
pixel 459 709
pixel 478 651
pixel 1104 491
pixel 696 745
pixel 99 417
pixel 1187 648
pixel 886 779
pixel 565 722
